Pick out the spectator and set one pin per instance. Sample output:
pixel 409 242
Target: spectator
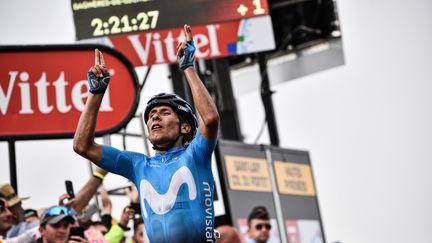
pixel 6 218
pixel 258 225
pixel 15 206
pixel 95 232
pixel 228 234
pixel 55 224
pixel 116 232
pixel 139 235
pixel 30 215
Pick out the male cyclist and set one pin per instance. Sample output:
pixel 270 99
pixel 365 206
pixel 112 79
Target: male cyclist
pixel 176 185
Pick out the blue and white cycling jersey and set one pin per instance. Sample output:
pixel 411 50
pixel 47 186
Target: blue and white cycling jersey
pixel 176 189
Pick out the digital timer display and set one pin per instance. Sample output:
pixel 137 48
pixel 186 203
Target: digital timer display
pixel 96 18
pixel 117 25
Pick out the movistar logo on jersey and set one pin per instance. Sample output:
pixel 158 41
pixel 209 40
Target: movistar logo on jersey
pixel 162 204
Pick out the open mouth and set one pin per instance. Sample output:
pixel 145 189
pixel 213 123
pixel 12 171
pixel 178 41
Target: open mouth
pixel 156 127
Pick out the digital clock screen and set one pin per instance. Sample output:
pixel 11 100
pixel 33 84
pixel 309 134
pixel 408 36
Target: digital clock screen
pixel 96 18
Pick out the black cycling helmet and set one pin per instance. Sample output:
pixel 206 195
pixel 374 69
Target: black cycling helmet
pixel 179 105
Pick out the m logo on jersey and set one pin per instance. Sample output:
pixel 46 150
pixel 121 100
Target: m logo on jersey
pixel 162 204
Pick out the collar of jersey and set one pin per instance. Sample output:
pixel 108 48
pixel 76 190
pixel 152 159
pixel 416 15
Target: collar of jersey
pixel 171 151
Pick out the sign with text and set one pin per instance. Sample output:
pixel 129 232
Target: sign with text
pixel 293 199
pixel 246 178
pixel 211 41
pixel 96 18
pixel 248 174
pixel 293 178
pixel 43 90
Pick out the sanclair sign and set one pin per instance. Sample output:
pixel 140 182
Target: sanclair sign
pixel 43 90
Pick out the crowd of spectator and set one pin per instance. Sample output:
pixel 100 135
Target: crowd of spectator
pixel 73 219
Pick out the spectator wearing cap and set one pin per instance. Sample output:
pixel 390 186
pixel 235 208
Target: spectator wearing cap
pixel 55 224
pixel 31 215
pixel 6 218
pixel 15 206
pixel 258 225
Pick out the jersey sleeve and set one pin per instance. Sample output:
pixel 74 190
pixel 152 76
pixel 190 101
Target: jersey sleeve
pixel 120 162
pixel 203 148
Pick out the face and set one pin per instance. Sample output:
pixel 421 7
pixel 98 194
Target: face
pixel 163 126
pixel 6 217
pixel 139 234
pixel 55 233
pixel 259 230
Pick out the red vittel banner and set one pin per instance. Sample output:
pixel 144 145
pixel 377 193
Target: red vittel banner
pixel 43 90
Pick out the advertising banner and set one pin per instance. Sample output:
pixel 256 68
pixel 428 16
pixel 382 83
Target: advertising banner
pixel 43 90
pixel 211 41
pixel 96 18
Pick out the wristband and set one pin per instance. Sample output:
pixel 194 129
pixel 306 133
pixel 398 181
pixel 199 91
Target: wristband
pixel 98 175
pixel 125 228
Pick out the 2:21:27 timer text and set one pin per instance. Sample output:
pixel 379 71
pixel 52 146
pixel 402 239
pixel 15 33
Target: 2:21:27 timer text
pixel 118 25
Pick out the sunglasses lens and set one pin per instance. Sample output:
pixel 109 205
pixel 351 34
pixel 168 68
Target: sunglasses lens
pixel 260 226
pixel 58 210
pixel 2 206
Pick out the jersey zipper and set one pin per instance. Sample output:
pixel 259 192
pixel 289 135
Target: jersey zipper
pixel 163 203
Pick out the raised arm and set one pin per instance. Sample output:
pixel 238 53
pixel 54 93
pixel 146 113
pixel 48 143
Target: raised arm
pixel 202 99
pixel 87 192
pixel 84 143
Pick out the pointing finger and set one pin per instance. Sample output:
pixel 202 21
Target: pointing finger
pixel 188 32
pixel 99 59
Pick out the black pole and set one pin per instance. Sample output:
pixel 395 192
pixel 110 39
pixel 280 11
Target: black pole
pixel 266 94
pixel 12 165
pixel 225 101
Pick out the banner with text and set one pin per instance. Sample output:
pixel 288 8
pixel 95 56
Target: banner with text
pixel 211 41
pixel 297 194
pixel 248 174
pixel 43 90
pixel 294 179
pixel 248 183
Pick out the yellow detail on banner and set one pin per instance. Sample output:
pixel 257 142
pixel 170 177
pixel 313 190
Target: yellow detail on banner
pixel 293 178
pixel 248 174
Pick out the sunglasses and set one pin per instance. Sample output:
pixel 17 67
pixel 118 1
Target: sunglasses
pixel 260 226
pixel 59 210
pixel 2 206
